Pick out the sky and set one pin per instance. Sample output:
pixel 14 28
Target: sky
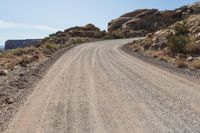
pixel 32 19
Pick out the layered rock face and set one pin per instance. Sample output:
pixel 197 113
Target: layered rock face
pixel 144 21
pixel 12 44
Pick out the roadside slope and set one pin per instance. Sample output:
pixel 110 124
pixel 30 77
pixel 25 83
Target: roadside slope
pixel 98 88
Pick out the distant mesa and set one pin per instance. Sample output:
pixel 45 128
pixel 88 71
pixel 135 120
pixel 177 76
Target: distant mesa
pixel 13 44
pixel 1 48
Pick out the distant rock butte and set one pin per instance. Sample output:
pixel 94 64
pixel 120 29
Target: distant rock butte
pixel 12 44
pixel 1 48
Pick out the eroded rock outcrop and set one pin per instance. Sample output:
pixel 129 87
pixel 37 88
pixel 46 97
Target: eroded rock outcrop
pixel 178 43
pixel 87 31
pixel 143 21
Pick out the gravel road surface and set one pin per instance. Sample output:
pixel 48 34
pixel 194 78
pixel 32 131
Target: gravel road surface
pixel 98 88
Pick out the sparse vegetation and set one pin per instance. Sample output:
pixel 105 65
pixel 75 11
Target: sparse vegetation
pixel 19 52
pixel 192 48
pixel 78 40
pixel 49 48
pixel 178 40
pixel 118 34
pixel 181 29
pixel 196 64
pixel 180 63
pixel 108 36
pixel 177 43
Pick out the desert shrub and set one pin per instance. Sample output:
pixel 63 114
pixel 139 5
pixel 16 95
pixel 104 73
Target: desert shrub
pixel 79 40
pixel 192 48
pixel 6 54
pixel 177 43
pixel 19 52
pixel 118 34
pixel 180 63
pixel 49 48
pixel 181 29
pixel 108 36
pixel 196 64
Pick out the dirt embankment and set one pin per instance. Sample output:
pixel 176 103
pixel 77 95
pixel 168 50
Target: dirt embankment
pixel 189 73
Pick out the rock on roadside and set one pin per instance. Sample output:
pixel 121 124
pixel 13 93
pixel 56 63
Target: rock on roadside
pixel 4 72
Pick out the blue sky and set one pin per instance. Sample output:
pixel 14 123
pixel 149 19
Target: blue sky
pixel 22 19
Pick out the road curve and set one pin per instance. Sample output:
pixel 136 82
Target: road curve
pixel 97 88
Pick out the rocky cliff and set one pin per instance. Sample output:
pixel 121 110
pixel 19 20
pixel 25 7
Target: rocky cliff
pixel 143 21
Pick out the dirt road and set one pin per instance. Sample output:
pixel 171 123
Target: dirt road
pixel 97 88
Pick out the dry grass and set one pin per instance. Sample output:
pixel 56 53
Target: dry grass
pixel 196 64
pixel 19 52
pixel 49 48
pixel 192 48
pixel 20 56
pixel 78 40
pixel 181 63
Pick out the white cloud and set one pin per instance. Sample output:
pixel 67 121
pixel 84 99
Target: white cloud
pixel 11 25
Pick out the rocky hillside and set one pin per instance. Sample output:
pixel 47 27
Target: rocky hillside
pixel 178 43
pixel 88 31
pixel 47 46
pixel 143 21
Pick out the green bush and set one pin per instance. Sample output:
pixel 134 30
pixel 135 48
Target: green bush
pixel 177 43
pixel 49 48
pixel 181 29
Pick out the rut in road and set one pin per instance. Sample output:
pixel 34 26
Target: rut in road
pixel 97 88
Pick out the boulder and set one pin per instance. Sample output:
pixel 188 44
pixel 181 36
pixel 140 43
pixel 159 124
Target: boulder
pixel 190 59
pixel 4 72
pixel 9 100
